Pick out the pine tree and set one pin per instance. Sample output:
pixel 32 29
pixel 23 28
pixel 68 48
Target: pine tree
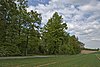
pixel 53 34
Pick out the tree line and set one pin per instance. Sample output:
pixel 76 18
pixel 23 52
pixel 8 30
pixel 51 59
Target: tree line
pixel 21 32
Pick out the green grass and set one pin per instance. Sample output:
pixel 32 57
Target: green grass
pixel 81 60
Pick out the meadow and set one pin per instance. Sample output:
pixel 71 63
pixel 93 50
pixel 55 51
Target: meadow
pixel 80 60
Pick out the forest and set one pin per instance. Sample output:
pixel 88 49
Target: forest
pixel 21 32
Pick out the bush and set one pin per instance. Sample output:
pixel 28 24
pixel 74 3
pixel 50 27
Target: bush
pixel 9 50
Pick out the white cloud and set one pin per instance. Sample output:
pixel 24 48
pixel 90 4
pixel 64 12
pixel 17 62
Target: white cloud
pixel 82 16
pixel 86 7
pixel 96 39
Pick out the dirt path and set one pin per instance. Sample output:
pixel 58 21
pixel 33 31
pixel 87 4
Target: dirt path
pixel 22 57
pixel 87 51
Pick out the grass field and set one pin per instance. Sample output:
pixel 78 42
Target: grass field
pixel 81 60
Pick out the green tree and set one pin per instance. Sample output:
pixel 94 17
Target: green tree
pixel 31 29
pixel 74 45
pixel 8 12
pixel 53 34
pixel 55 39
pixel 19 29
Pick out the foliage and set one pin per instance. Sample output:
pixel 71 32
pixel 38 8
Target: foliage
pixel 20 32
pixel 18 28
pixel 55 38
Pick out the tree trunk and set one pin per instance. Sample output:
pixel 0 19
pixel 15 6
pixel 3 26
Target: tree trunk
pixel 26 46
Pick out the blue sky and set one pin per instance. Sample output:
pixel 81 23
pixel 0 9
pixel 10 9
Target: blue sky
pixel 36 2
pixel 81 16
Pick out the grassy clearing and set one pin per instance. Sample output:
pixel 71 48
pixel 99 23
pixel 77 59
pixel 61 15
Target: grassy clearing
pixel 81 60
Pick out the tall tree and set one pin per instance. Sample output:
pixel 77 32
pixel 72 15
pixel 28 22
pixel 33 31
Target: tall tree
pixel 19 29
pixel 53 34
pixel 8 12
pixel 31 27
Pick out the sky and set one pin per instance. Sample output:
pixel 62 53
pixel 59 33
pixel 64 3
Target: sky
pixel 81 16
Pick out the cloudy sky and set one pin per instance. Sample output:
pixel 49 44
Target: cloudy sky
pixel 81 16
